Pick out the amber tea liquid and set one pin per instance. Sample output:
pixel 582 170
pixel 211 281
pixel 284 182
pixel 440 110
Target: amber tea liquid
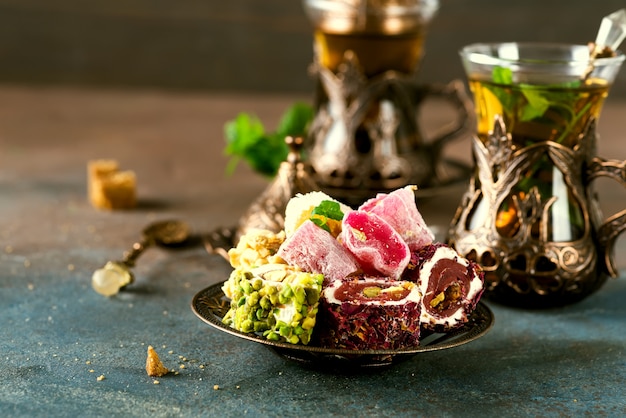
pixel 538 113
pixel 534 114
pixel 376 52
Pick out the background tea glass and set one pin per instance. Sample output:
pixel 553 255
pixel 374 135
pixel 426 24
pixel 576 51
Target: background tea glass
pixel 384 35
pixel 530 216
pixel 365 137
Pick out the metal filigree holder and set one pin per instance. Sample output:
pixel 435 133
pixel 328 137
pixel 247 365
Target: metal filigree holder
pixel 526 268
pixel 268 210
pixel 365 136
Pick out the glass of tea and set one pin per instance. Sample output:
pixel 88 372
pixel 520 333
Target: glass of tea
pixel 384 34
pixel 366 136
pixel 530 216
pixel 543 92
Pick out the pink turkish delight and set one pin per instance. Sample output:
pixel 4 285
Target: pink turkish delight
pixel 398 208
pixel 377 247
pixel 315 250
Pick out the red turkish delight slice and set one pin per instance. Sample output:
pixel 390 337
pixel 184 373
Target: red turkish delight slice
pixel 315 250
pixel 450 284
pixel 378 248
pixel 399 209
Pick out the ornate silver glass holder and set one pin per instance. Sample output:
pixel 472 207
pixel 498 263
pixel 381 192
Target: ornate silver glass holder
pixel 365 137
pixel 527 269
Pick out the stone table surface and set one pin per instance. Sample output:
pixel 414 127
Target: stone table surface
pixel 68 351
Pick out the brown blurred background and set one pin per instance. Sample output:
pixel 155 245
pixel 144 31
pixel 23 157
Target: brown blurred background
pixel 243 45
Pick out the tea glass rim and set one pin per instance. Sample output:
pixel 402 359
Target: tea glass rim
pixel 486 53
pixel 425 8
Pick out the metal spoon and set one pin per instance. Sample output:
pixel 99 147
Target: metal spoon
pixel 612 31
pixel 610 35
pixel 115 275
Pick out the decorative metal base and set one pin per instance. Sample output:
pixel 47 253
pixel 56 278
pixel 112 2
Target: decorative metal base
pixel 513 228
pixel 365 137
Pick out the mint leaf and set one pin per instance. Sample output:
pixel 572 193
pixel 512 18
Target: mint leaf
pixel 266 154
pixel 503 79
pixel 321 222
pixel 242 135
pixel 296 120
pixel 328 209
pixel 242 132
pixel 537 104
pixel 502 75
pixel 247 140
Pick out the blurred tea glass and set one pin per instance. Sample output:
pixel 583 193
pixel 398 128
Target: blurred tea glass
pixel 365 137
pixel 530 216
pixel 383 34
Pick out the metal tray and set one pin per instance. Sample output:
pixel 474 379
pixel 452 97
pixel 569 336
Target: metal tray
pixel 210 305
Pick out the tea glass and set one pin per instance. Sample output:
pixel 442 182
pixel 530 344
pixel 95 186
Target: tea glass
pixel 365 137
pixel 530 216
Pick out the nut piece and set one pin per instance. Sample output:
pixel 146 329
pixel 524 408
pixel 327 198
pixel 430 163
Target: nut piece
pixel 154 366
pixel 256 248
pixel 109 188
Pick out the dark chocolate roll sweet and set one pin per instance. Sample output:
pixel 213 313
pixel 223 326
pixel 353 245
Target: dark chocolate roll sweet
pixel 450 284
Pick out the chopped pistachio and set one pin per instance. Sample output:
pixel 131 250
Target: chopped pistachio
pixel 437 299
pixel 281 311
pixel 371 291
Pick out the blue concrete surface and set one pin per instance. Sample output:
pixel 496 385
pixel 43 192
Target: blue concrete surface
pixel 58 336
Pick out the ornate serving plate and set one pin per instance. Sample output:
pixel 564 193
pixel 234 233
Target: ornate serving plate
pixel 210 305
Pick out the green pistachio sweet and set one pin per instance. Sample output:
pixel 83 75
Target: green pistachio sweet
pixel 281 311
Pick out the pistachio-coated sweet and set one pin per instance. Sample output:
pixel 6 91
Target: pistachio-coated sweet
pixel 277 300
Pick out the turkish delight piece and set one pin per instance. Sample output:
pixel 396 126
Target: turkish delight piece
pixel 450 284
pixel 276 300
pixel 400 211
pixel 300 208
pixel 370 313
pixel 378 248
pixel 256 247
pixel 315 250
